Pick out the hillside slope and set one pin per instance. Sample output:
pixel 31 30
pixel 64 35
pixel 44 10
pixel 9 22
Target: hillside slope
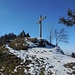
pixel 38 61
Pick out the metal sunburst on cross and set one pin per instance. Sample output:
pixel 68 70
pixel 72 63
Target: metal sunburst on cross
pixel 40 22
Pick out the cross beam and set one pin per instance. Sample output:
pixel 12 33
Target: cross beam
pixel 40 22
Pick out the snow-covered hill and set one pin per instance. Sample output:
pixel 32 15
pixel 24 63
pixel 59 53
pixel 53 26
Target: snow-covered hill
pixel 43 60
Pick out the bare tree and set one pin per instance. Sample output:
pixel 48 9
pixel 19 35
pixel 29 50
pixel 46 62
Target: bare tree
pixel 61 36
pixel 51 33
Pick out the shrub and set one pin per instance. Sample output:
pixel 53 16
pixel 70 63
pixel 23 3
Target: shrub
pixel 41 43
pixel 34 40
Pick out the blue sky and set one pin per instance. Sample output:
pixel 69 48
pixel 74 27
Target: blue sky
pixel 18 15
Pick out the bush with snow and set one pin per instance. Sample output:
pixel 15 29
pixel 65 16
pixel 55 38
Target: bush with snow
pixel 73 55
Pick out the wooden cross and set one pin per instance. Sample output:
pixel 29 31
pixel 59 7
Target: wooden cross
pixel 40 22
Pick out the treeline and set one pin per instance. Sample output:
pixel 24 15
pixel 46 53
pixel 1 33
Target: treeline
pixel 11 36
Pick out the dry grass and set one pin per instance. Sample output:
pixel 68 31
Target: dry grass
pixel 9 62
pixel 71 66
pixel 1 43
pixel 2 48
pixel 19 44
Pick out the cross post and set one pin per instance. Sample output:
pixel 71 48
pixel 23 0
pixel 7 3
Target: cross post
pixel 40 22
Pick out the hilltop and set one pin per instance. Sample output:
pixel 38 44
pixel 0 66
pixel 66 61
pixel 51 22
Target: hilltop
pixel 33 56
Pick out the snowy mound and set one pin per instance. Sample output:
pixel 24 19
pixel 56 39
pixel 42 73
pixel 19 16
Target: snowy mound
pixel 26 43
pixel 44 61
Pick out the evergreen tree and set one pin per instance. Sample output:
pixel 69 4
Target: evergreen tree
pixel 70 21
pixel 22 34
pixel 28 35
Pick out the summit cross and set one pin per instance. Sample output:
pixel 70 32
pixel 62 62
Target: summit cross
pixel 40 22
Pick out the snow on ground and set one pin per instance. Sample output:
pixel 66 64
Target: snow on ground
pixel 48 59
